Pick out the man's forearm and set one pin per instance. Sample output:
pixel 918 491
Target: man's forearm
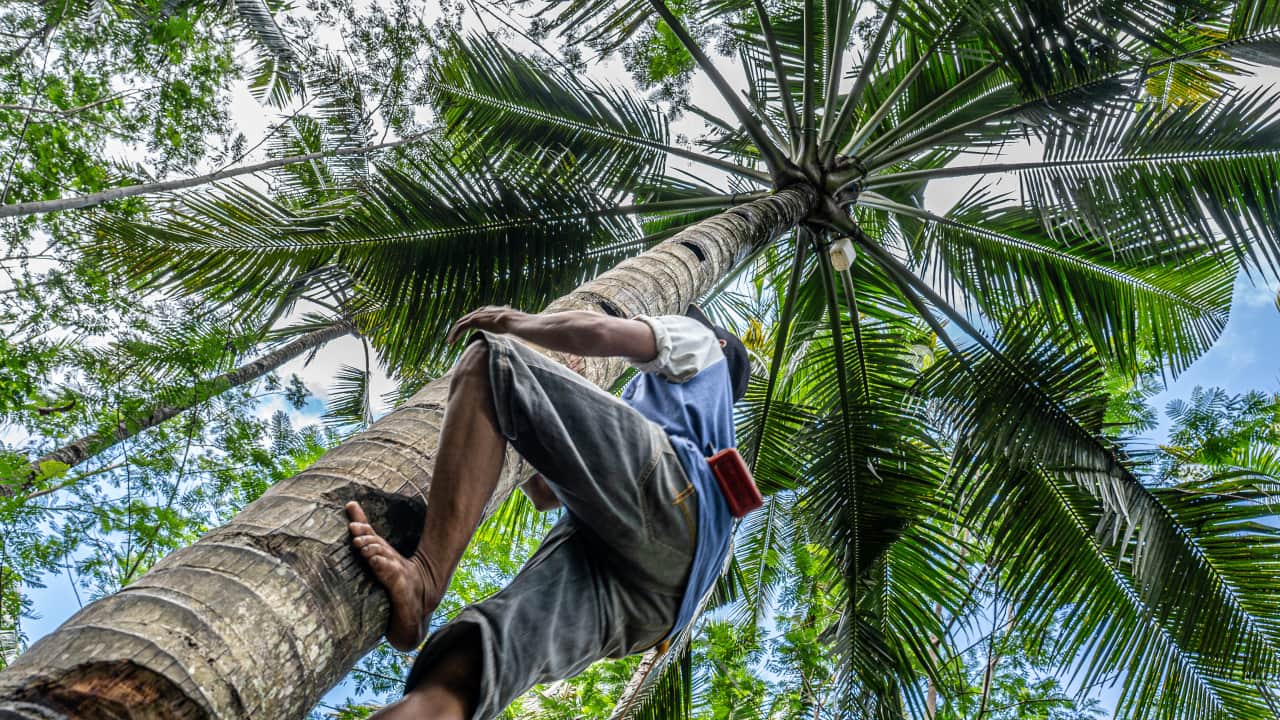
pixel 586 333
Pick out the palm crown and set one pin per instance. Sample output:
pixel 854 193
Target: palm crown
pixel 938 405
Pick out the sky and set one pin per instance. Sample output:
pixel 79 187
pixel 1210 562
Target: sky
pixel 1246 357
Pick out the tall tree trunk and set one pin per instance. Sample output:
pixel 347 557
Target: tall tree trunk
pixel 85 447
pixel 263 615
pixel 37 207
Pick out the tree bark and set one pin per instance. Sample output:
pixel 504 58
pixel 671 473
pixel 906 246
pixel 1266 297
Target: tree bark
pixel 85 447
pixel 263 615
pixel 44 206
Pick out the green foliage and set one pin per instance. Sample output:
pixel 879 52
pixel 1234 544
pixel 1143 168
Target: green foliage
pixel 532 110
pixel 1214 430
pixel 657 59
pixel 78 76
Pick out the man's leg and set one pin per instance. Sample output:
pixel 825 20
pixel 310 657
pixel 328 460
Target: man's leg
pixel 426 702
pixel 563 611
pixel 619 480
pixel 468 463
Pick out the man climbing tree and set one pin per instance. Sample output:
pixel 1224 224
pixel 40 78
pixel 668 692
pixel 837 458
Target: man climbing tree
pixel 646 526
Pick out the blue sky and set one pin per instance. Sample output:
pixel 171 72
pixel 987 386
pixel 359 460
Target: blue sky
pixel 1246 357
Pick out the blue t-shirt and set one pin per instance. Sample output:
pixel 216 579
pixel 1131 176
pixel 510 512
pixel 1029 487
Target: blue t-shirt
pixel 688 392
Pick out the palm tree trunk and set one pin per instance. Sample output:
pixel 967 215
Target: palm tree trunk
pixel 85 447
pixel 263 615
pixel 37 207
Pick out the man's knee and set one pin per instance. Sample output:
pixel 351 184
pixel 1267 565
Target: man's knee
pixel 474 363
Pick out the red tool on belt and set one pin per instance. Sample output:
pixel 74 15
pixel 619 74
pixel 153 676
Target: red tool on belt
pixel 735 481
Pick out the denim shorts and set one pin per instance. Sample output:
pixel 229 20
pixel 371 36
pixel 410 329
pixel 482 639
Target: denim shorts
pixel 609 576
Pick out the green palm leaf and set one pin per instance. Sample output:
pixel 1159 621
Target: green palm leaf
pixel 508 103
pixel 350 399
pixel 1033 474
pixel 278 74
pixel 1205 171
pixel 417 250
pixel 997 257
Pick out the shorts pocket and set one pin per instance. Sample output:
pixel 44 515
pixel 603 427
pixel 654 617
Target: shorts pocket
pixel 671 503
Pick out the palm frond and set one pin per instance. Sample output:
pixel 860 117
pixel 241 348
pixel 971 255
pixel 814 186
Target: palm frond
pixel 975 127
pixel 760 548
pixel 665 692
pixel 862 491
pixel 603 24
pixel 1249 17
pixel 1231 514
pixel 336 118
pixel 997 256
pixel 514 521
pixel 1205 171
pixel 278 76
pixel 1026 413
pixel 350 400
pixel 419 248
pixel 502 102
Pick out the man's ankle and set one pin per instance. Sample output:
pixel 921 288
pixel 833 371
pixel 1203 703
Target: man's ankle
pixel 432 592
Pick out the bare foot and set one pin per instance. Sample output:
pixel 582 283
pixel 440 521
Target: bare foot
pixel 406 581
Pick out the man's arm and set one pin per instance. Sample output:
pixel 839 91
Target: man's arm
pixel 574 332
pixel 537 490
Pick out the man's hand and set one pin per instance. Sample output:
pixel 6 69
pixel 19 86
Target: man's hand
pixel 540 493
pixel 494 318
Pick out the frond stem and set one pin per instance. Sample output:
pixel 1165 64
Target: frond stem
pixel 877 162
pixel 779 73
pixel 773 158
pixel 548 118
pixel 942 100
pixel 1083 264
pixel 912 176
pixel 695 203
pixel 780 342
pixel 837 41
pixel 845 116
pixel 842 379
pixel 846 278
pixel 864 133
pixel 808 151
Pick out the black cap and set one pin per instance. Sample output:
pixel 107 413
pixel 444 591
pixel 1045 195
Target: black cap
pixel 734 351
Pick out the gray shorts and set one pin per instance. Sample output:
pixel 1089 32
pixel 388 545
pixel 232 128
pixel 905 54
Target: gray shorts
pixel 609 576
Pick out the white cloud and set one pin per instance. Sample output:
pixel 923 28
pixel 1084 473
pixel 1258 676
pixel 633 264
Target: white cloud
pixel 1261 293
pixel 319 374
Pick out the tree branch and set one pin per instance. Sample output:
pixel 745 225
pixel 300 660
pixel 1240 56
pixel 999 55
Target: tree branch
pixel 45 206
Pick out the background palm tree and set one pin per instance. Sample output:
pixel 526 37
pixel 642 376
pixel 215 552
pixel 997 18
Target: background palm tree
pixel 939 403
pixel 56 462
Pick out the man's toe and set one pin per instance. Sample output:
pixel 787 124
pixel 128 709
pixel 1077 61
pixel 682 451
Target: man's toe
pixel 356 513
